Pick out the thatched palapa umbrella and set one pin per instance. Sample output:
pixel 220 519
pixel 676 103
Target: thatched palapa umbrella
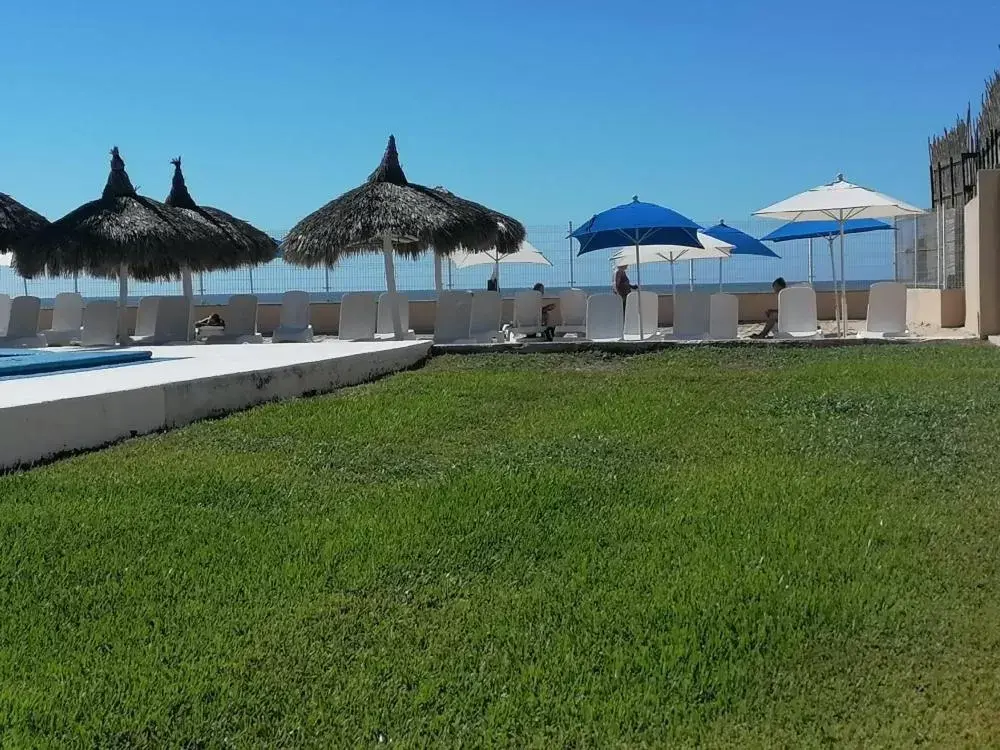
pixel 17 222
pixel 240 243
pixel 120 233
pixel 389 213
pixel 510 232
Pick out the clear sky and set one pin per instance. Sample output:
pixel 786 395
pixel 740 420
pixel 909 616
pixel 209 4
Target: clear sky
pixel 546 110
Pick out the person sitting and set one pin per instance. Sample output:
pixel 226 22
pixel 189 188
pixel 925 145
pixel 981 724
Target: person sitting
pixel 550 331
pixel 771 316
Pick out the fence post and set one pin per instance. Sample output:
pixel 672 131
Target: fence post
pixel 572 280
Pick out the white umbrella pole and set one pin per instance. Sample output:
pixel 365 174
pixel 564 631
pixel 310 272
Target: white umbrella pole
pixel 122 304
pixel 496 272
pixel 438 275
pixel 390 285
pixel 638 283
pixel 843 282
pixel 690 275
pixel 188 288
pixel 76 282
pixel 673 283
pixel 833 275
pixel 450 285
pixel 251 280
pixel 812 270
pixel 720 275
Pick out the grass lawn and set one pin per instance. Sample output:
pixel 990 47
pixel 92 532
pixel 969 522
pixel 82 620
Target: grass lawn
pixel 724 547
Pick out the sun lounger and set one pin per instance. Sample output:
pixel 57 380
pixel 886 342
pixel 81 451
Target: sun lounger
pixel 358 316
pixel 383 327
pixel 572 313
pixel 22 328
pixel 605 318
pixel 293 325
pixel 67 319
pixel 453 317
pixel 487 310
pixel 692 316
pixel 723 317
pixel 886 311
pixel 4 313
pixel 162 320
pixel 240 317
pixel 527 314
pixel 100 323
pixel 649 303
pixel 797 314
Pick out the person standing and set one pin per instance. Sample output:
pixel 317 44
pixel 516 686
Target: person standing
pixel 622 285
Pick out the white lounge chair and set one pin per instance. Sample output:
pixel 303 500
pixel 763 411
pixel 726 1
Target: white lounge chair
pixel 240 316
pixel 886 310
pixel 145 319
pixel 724 317
pixel 293 325
pixel 383 327
pixel 572 313
pixel 22 328
pixel 649 303
pixel 453 317
pixel 692 316
pixel 67 320
pixel 797 314
pixel 162 320
pixel 527 314
pixel 358 316
pixel 487 310
pixel 100 323
pixel 4 313
pixel 605 318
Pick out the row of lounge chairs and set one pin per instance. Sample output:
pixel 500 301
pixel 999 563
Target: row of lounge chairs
pixel 462 317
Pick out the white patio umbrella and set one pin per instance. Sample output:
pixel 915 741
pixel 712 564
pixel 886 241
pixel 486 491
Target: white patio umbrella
pixel 711 249
pixel 526 253
pixel 840 201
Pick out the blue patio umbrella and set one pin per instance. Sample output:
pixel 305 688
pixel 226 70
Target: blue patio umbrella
pixel 634 224
pixel 743 243
pixel 827 230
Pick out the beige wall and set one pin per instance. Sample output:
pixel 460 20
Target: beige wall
pixel 982 256
pixel 944 308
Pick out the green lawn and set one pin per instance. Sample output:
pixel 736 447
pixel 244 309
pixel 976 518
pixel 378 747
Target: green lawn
pixel 724 547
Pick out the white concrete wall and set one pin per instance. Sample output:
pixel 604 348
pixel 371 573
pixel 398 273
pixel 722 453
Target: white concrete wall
pixel 46 427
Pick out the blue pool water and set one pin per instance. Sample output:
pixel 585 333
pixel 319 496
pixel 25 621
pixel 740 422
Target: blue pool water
pixel 32 362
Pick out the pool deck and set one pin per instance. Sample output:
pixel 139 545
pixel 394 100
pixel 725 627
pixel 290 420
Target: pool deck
pixel 43 416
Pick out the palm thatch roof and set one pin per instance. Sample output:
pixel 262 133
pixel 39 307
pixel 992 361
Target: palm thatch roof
pixel 387 204
pixel 510 232
pixel 238 243
pixel 122 227
pixel 17 222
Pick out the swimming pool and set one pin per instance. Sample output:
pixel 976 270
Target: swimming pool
pixel 15 362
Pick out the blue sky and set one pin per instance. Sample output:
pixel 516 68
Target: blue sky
pixel 549 111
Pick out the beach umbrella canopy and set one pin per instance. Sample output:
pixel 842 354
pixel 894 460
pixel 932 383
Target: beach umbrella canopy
pixel 712 248
pixel 390 214
pixel 839 201
pixel 635 223
pixel 827 230
pixel 115 233
pixel 525 253
pixel 743 243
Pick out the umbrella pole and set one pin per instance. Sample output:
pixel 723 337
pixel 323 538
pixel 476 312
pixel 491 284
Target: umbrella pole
pixel 638 283
pixel 496 272
pixel 390 285
pixel 76 282
pixel 812 274
pixel 25 281
pixel 720 275
pixel 843 281
pixel 188 287
pixel 690 275
pixel 122 304
pixel 438 276
pixel 251 280
pixel 327 282
pixel 833 275
pixel 450 285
